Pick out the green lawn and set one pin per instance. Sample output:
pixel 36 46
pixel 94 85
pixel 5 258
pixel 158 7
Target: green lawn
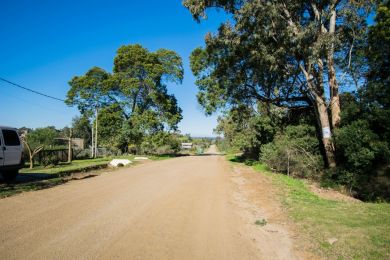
pixel 7 190
pixel 84 165
pixel 45 177
pixel 362 229
pixel 74 166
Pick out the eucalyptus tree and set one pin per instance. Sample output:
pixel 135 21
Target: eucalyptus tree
pixel 136 89
pixel 89 93
pixel 286 53
pixel 139 83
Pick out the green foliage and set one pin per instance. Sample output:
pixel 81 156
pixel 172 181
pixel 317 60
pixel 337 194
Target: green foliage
pixel 50 160
pixel 110 122
pixel 362 142
pixel 45 136
pixel 201 143
pixel 161 143
pixel 275 52
pixel 140 77
pixel 89 92
pixel 376 96
pixel 294 151
pixel 247 130
pixel 262 222
pixel 378 53
pixel 223 145
pixel 263 54
pixel 81 128
pixel 133 101
pixel 362 157
pixel 360 147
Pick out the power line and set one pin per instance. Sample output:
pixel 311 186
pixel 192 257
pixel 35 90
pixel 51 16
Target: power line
pixel 31 90
pixel 40 106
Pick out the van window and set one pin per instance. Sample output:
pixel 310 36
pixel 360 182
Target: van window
pixel 10 137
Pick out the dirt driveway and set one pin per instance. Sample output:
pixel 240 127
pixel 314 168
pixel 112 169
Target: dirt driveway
pixel 194 207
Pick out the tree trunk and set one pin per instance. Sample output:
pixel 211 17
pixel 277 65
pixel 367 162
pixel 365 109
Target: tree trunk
pixel 96 134
pixel 31 162
pixel 30 155
pixel 333 86
pixel 92 142
pixel 70 147
pixel 321 109
pixel 326 131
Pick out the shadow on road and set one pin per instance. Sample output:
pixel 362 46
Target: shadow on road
pixel 210 154
pixel 29 177
pixel 35 181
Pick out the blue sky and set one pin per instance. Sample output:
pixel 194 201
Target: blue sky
pixel 45 43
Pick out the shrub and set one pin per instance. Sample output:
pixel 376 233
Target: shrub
pixel 161 143
pixel 363 160
pixel 295 152
pixel 360 147
pixel 51 159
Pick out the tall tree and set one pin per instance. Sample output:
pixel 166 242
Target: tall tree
pixel 138 83
pixel 136 91
pixel 82 128
pixel 89 92
pixel 378 54
pixel 286 53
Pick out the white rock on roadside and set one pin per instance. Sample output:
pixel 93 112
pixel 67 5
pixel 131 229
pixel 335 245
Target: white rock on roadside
pixel 141 158
pixel 332 240
pixel 120 162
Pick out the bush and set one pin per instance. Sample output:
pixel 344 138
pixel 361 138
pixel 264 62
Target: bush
pixel 82 154
pixel 51 159
pixel 295 152
pixel 359 147
pixel 363 160
pixel 161 143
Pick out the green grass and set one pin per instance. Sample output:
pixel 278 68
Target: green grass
pixel 83 165
pixel 7 190
pixel 66 168
pixel 262 222
pixel 45 177
pixel 362 229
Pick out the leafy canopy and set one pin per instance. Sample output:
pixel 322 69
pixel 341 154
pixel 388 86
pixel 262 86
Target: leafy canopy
pixel 137 85
pixel 275 51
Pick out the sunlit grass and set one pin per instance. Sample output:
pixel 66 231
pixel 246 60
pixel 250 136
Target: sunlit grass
pixel 361 230
pixel 45 177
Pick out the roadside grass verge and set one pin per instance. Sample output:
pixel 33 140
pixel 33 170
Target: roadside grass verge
pixel 64 169
pixel 46 177
pixel 67 168
pixel 337 230
pixel 7 190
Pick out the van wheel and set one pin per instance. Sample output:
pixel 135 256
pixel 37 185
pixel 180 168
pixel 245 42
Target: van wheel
pixel 9 175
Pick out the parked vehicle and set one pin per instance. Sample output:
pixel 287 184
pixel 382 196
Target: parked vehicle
pixel 11 149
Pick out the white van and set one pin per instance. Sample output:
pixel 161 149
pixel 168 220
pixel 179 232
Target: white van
pixel 11 149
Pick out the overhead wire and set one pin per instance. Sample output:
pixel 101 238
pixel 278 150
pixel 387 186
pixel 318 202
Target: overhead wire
pixel 31 90
pixel 18 98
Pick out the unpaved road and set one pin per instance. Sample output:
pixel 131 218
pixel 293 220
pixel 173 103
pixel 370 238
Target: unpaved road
pixel 184 208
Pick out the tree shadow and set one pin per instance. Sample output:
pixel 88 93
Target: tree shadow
pixel 29 177
pixel 209 154
pixel 35 181
pixel 243 159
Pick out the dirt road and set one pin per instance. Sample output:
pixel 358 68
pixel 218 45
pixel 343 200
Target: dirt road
pixel 184 208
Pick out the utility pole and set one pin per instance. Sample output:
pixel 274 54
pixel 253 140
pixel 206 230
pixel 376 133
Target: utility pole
pixel 70 155
pixel 96 132
pixel 92 142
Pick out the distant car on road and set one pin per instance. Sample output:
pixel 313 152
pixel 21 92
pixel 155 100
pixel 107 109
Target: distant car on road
pixel 11 149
